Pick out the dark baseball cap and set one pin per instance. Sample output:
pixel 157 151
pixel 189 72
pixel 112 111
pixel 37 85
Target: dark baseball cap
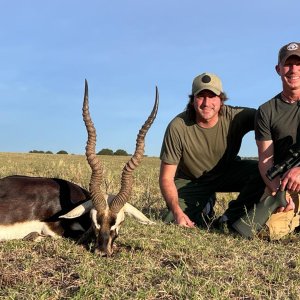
pixel 288 50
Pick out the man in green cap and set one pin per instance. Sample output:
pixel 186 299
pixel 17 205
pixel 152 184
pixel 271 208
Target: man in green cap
pixel 277 130
pixel 199 157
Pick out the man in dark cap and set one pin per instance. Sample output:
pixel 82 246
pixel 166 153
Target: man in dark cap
pixel 199 157
pixel 276 131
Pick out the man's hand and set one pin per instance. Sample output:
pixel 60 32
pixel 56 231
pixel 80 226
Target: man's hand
pixel 291 180
pixel 183 220
pixel 290 205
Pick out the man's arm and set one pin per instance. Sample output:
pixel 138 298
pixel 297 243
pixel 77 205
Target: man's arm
pixel 265 162
pixel 170 194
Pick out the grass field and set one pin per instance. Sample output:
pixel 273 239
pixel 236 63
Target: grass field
pixel 150 262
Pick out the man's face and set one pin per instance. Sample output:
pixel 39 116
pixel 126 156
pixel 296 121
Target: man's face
pixel 207 106
pixel 290 73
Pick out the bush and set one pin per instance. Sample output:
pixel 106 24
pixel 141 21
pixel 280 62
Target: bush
pixel 105 152
pixel 36 151
pixel 62 152
pixel 121 152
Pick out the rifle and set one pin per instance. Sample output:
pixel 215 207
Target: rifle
pixel 292 160
pixel 254 220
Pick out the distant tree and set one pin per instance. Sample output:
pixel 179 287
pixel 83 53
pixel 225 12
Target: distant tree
pixel 49 152
pixel 121 152
pixel 36 151
pixel 105 151
pixel 62 152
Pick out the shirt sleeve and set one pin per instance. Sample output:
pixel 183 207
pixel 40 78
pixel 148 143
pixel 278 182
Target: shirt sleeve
pixel 171 150
pixel 247 116
pixel 242 117
pixel 262 125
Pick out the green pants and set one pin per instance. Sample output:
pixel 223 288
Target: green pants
pixel 240 176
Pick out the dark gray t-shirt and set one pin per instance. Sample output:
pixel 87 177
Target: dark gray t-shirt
pixel 198 150
pixel 278 121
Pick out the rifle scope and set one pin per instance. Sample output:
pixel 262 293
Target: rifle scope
pixel 292 160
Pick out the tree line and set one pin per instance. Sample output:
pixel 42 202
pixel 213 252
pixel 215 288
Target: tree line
pixel 105 151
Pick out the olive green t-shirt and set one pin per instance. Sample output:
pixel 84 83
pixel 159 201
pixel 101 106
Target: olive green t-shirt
pixel 198 150
pixel 278 121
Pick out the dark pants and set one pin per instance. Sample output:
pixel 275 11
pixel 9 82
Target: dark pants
pixel 240 176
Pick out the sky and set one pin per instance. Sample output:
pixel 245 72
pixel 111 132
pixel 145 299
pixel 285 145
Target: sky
pixel 125 49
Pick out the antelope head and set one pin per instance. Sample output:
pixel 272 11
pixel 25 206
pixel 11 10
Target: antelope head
pixel 108 212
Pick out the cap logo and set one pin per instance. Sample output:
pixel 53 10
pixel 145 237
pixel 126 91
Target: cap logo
pixel 206 79
pixel 292 47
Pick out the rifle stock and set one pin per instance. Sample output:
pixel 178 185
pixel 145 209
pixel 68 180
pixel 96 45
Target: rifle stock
pixel 254 220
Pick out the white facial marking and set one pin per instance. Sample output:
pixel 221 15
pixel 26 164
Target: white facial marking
pixel 119 220
pixel 94 218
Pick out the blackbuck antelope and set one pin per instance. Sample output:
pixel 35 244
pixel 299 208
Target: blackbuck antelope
pixel 34 207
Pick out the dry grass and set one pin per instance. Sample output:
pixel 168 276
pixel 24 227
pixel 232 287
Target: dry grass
pixel 150 262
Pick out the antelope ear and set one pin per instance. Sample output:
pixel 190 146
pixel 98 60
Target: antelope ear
pixel 78 210
pixel 137 214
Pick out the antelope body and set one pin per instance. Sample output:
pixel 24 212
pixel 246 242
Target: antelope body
pixel 33 205
pixel 36 206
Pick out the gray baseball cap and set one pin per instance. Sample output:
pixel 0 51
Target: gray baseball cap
pixel 288 50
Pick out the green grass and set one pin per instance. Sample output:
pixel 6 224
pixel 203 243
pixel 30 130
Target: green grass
pixel 150 262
